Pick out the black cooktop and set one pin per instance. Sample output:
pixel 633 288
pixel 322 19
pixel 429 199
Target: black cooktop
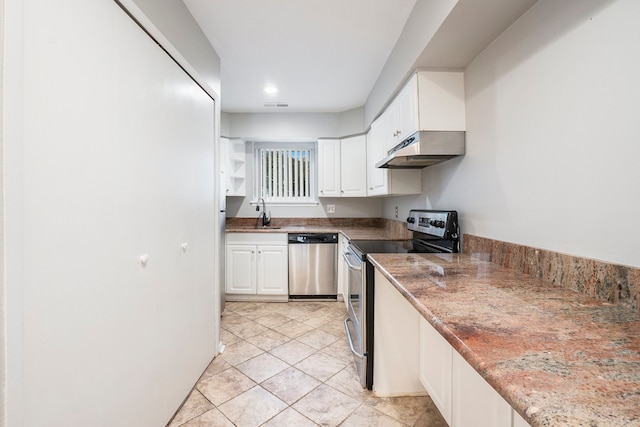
pixel 365 247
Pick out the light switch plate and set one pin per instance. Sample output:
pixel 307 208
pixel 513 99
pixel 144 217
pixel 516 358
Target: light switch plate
pixel 331 208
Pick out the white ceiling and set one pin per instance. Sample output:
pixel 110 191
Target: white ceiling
pixel 322 55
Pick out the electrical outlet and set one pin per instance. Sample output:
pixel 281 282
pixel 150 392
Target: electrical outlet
pixel 331 208
pixel 396 212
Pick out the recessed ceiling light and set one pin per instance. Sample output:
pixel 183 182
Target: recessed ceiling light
pixel 270 89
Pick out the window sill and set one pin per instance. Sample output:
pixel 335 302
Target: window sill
pixel 285 204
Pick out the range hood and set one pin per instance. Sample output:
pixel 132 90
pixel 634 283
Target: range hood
pixel 424 148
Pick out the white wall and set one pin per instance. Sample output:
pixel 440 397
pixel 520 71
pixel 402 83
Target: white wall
pixel 293 125
pixel 3 350
pixel 552 130
pixel 108 155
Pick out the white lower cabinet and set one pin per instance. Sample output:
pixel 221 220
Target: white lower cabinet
pixel 436 362
pixel 257 266
pixel 460 393
pixel 475 403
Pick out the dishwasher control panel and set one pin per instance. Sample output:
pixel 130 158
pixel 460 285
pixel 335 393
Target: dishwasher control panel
pixel 311 238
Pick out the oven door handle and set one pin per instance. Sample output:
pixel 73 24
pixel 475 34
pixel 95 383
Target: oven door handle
pixel 346 255
pixel 353 350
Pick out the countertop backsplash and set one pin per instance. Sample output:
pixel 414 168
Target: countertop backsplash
pixel 614 283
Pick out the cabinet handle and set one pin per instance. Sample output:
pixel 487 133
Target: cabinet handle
pixel 253 252
pixel 370 188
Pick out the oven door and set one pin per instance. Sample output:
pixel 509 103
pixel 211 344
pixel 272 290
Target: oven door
pixel 355 323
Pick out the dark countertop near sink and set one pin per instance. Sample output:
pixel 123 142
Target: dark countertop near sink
pixel 559 357
pixel 351 228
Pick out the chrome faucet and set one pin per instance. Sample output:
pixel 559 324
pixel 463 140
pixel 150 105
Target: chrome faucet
pixel 266 220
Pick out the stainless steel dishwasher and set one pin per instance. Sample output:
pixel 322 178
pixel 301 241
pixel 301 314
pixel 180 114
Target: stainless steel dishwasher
pixel 313 271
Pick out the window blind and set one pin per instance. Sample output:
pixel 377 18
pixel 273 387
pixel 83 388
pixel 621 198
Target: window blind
pixel 285 175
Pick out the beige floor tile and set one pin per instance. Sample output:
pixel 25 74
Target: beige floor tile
pixel 217 365
pixel 293 328
pixel 252 408
pixel 265 356
pixel 239 352
pixel 431 417
pixel 314 320
pixel 289 418
pixel 262 367
pixel 210 419
pixel 335 327
pixel 246 328
pixel 272 319
pixel 290 384
pixel 231 318
pixel 225 385
pixel 348 382
pixel 227 337
pixel 269 340
pixel 321 366
pixel 340 350
pixel 405 409
pixel 293 352
pixel 195 405
pixel 317 339
pixel 367 416
pixel 326 406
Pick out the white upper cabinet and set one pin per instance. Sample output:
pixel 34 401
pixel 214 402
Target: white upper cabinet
pixel 342 167
pixel 429 100
pixel 353 166
pixel 441 104
pixel 329 168
pixel 401 117
pixel 387 182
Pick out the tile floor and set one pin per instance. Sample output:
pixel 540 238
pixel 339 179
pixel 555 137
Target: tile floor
pixel 289 365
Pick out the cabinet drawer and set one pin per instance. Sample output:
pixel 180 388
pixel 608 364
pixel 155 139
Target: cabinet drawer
pixel 257 238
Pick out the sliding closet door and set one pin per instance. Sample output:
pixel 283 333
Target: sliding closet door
pixel 118 220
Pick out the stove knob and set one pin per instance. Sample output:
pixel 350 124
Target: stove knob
pixel 411 220
pixel 441 224
pixel 433 223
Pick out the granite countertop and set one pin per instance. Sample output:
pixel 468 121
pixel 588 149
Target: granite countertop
pixel 350 232
pixel 559 357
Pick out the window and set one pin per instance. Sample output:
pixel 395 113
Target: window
pixel 285 172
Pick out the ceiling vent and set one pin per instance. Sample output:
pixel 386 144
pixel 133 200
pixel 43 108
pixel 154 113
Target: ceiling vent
pixel 276 104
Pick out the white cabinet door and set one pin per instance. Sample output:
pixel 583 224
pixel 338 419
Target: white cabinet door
pixel 436 361
pixel 376 177
pixel 407 110
pixel 353 169
pixel 391 128
pixel 329 168
pixel 518 421
pixel 272 270
pixel 475 402
pixel 241 269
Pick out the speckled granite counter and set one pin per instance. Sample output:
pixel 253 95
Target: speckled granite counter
pixel 559 357
pixel 353 229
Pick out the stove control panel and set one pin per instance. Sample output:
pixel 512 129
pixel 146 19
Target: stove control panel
pixel 436 223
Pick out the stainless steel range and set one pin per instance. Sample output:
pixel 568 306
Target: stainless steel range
pixel 433 232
